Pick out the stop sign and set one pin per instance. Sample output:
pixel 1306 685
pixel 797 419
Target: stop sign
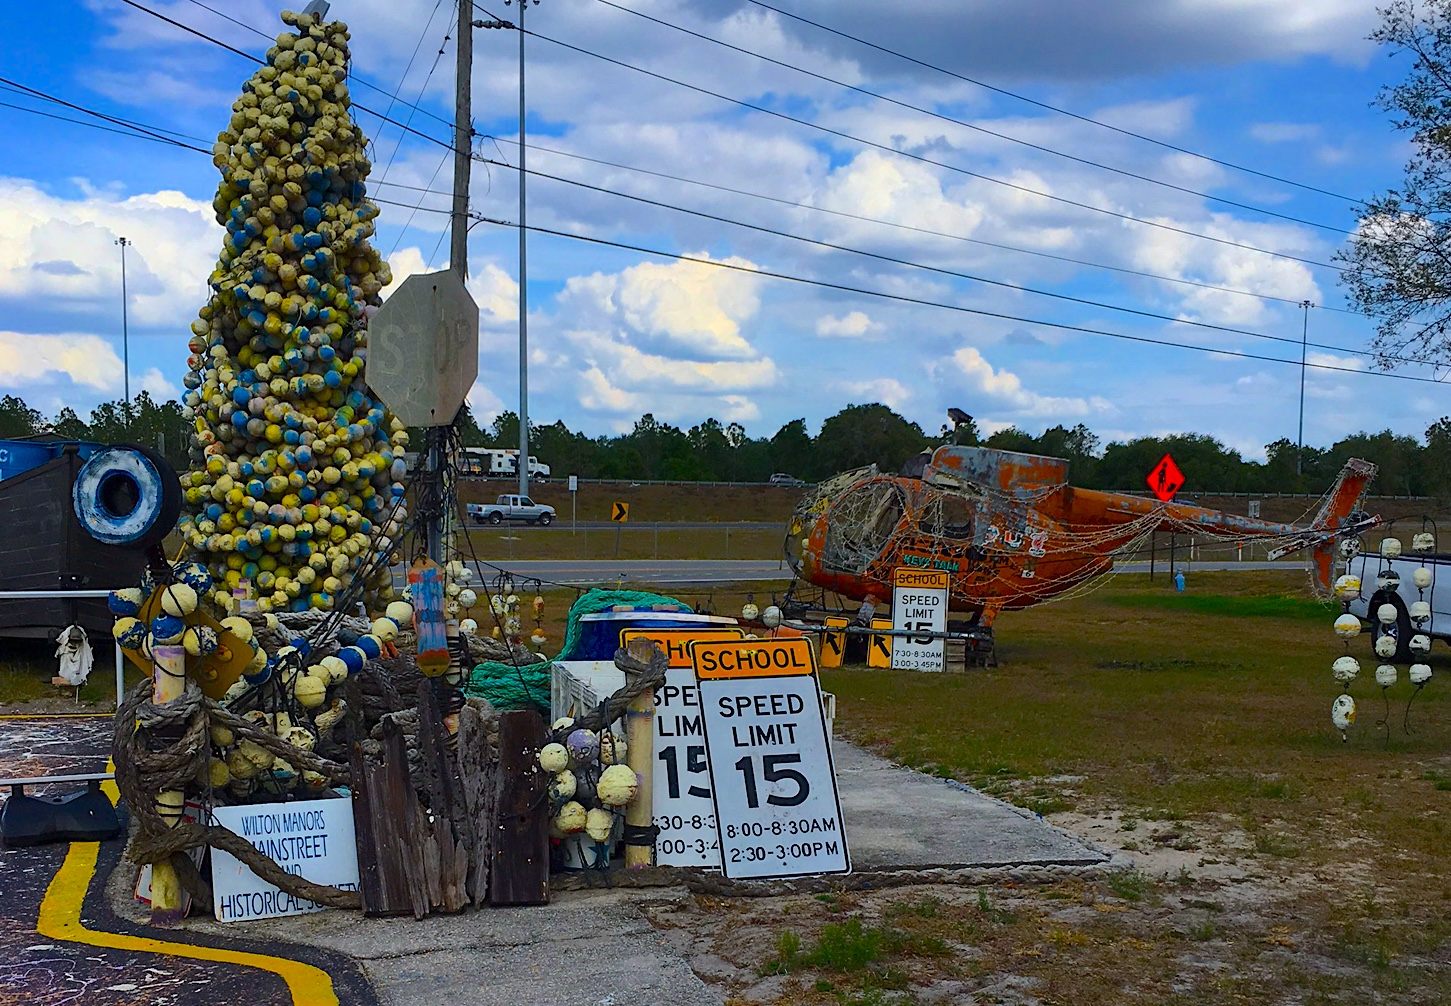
pixel 423 348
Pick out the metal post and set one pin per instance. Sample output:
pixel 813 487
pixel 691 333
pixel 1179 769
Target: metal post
pixel 1173 541
pixel 523 280
pixel 1305 306
pixel 125 331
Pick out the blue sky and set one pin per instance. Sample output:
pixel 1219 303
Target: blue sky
pixel 1284 88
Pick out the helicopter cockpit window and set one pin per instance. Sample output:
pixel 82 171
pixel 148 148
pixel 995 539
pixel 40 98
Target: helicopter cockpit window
pixel 947 515
pixel 859 525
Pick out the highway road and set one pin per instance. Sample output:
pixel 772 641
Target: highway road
pixel 582 572
pixel 561 523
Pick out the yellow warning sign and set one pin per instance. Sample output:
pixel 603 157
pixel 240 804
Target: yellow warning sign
pixel 922 579
pixel 879 651
pixel 676 642
pixel 833 643
pixel 755 658
pixel 619 511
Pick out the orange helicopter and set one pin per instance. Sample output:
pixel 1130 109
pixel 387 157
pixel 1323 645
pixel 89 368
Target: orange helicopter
pixel 1011 532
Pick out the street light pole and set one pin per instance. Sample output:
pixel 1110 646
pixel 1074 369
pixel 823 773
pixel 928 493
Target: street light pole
pixel 125 332
pixel 1305 306
pixel 523 461
pixel 523 279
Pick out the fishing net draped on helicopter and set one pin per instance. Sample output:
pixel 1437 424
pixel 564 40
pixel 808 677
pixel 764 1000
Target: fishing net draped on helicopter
pixel 1011 532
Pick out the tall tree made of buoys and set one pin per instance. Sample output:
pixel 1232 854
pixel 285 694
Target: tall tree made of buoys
pixel 294 462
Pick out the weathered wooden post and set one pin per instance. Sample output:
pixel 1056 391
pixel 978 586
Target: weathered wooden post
pixel 640 756
pixel 168 681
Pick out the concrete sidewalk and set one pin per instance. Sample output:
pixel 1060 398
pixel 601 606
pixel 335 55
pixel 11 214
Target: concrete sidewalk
pixel 595 948
pixel 897 818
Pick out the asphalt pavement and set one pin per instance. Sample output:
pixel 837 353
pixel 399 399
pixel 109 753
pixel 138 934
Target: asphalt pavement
pixel 561 523
pixel 584 572
pixel 48 971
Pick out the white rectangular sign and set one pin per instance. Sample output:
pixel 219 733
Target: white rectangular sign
pixel 771 775
pixel 574 483
pixel 681 806
pixel 310 838
pixel 919 604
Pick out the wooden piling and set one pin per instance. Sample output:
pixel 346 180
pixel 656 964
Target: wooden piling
pixel 168 681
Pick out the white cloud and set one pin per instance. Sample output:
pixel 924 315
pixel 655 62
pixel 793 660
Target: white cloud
pixel 1006 388
pixel 852 325
pixel 84 359
pixel 888 390
pixel 64 250
pixel 155 384
pixel 686 307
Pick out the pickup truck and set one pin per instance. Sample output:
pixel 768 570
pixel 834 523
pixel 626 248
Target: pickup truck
pixel 510 508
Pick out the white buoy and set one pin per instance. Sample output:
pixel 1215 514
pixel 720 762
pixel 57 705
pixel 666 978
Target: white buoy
pixel 1387 613
pixel 1420 673
pixel 1342 712
pixel 1420 643
pixel 1385 675
pixel 1421 577
pixel 1420 611
pixel 1390 547
pixel 1345 669
pixel 1347 626
pixel 1423 541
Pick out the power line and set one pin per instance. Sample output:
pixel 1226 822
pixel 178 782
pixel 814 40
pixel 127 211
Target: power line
pixel 1061 111
pixel 959 308
pixel 894 260
pixel 781 115
pixel 31 92
pixel 415 208
pixel 479 218
pixel 247 55
pixel 1128 217
pixel 355 78
pixel 409 121
pixel 924 230
pixel 139 129
pixel 404 79
pixel 95 125
pixel 975 127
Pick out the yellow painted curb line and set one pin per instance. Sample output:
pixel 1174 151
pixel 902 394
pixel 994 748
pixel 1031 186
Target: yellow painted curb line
pixel 60 919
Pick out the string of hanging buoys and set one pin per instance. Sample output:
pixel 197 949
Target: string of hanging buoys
pixel 1347 626
pixel 295 463
pixel 1400 629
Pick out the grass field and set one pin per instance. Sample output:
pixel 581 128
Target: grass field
pixel 1278 863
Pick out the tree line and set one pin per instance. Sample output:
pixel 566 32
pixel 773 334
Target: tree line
pixel 858 435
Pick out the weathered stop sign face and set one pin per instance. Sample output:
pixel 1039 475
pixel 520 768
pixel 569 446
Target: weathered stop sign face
pixel 423 348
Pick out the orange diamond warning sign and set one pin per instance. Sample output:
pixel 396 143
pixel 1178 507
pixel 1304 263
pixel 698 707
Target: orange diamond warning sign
pixel 1166 479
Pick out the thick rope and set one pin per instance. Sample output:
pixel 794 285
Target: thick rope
pixel 148 762
pixel 644 665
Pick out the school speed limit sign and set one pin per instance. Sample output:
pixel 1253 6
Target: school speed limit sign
pixel 777 811
pixel 919 604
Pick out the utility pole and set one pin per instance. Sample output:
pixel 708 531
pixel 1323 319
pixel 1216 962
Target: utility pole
pixel 125 332
pixel 458 244
pixel 1305 306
